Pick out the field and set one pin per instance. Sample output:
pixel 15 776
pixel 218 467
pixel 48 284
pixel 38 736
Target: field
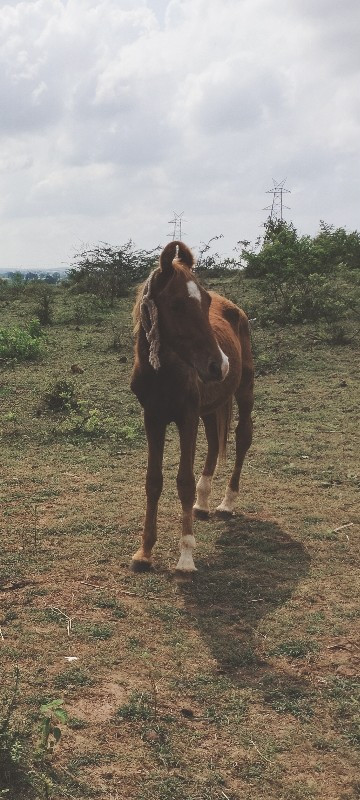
pixel 241 683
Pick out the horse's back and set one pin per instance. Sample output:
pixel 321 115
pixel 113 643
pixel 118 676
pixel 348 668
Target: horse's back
pixel 230 324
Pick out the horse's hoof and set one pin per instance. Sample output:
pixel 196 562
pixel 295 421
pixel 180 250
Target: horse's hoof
pixel 221 513
pixel 141 565
pixel 199 513
pixel 182 576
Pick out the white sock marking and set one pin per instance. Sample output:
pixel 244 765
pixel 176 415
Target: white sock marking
pixel 186 561
pixel 194 291
pixel 229 501
pixel 203 489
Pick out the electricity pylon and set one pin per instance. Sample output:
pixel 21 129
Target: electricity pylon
pixel 277 205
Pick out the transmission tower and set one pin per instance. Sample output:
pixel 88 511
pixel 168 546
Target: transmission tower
pixel 277 205
pixel 177 222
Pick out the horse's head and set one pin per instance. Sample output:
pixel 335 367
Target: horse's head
pixel 183 312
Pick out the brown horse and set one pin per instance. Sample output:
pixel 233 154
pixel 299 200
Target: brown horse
pixel 192 357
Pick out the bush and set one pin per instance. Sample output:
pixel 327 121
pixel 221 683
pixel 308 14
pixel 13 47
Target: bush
pixel 305 279
pixel 44 309
pixel 21 344
pixel 313 299
pixel 109 272
pixel 60 396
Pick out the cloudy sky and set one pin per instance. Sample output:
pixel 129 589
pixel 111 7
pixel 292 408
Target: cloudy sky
pixel 116 113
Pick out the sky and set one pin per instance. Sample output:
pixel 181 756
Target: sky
pixel 114 114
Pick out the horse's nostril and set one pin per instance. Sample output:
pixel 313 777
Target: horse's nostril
pixel 215 371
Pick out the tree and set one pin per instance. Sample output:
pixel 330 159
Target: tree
pixel 110 272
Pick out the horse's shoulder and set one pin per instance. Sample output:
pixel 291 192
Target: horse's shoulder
pixel 223 308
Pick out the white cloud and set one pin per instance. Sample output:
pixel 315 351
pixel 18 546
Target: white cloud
pixel 116 112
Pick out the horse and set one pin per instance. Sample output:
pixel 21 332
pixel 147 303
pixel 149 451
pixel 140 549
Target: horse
pixel 192 358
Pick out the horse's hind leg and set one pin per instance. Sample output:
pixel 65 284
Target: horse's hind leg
pixel 203 488
pixel 243 433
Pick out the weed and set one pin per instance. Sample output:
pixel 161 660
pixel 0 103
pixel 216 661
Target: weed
pixel 295 648
pixel 94 631
pixel 316 622
pixel 289 698
pixel 106 601
pixel 10 746
pixel 300 791
pixel 139 707
pixel 157 737
pixel 52 713
pixel 164 789
pixel 345 694
pixel 76 724
pixel 72 678
pixel 60 396
pixel 87 760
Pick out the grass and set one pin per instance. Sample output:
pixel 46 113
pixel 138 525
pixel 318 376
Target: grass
pixel 241 683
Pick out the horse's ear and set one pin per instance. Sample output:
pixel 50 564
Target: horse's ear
pixel 177 250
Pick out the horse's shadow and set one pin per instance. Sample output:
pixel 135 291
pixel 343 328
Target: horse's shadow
pixel 255 570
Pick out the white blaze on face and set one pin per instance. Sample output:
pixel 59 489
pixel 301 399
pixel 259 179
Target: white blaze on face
pixel 194 291
pixel 224 363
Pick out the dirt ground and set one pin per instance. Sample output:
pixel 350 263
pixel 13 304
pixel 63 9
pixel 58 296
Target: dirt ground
pixel 240 683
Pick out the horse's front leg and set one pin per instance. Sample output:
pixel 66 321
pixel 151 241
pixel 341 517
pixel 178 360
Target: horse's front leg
pixel 155 432
pixel 186 489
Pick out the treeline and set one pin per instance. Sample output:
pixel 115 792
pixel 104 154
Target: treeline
pixel 298 278
pixel 18 278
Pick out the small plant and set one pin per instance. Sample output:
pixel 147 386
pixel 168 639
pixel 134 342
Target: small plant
pixel 60 396
pixel 95 631
pixel 14 781
pixel 71 678
pixel 51 713
pixel 139 707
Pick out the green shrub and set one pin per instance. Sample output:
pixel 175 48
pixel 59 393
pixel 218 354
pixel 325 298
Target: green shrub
pixel 305 279
pixel 110 272
pixel 20 343
pixel 60 396
pixel 309 300
pixel 44 309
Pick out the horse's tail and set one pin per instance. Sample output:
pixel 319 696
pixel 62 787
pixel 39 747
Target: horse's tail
pixel 177 250
pixel 223 422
